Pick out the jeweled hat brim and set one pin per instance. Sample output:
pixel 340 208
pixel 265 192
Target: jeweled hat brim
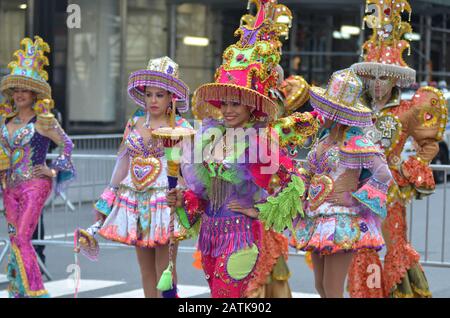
pixel 11 82
pixel 405 75
pixel 141 79
pixel 359 116
pixel 207 99
pixel 299 98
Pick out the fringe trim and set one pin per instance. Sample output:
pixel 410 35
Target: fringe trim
pixel 10 82
pixel 161 80
pixel 356 161
pixel 342 114
pixel 406 76
pixel 417 291
pixel 219 236
pixel 208 94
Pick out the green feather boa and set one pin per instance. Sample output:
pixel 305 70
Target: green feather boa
pixel 279 211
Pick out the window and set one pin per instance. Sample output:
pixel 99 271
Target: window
pixel 94 60
pixel 12 30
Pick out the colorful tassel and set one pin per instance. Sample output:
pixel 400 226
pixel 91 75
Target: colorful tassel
pixel 166 281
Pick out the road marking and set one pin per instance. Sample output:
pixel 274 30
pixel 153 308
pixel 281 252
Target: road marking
pixel 137 293
pixel 304 295
pixel 3 279
pixel 65 287
pixel 50 237
pixel 185 291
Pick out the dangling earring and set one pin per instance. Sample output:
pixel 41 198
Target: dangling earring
pixel 169 109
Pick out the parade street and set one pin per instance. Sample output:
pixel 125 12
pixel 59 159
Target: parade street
pixel 116 274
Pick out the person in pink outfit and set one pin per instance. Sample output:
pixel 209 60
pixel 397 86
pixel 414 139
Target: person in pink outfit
pixel 26 131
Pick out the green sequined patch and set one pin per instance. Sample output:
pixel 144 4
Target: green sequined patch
pixel 241 263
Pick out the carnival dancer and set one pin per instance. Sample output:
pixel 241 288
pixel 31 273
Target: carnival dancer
pixel 134 206
pixel 347 180
pixel 27 129
pixel 241 193
pixel 424 119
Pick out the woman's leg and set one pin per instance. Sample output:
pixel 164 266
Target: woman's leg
pixel 318 265
pixel 146 259
pixel 335 272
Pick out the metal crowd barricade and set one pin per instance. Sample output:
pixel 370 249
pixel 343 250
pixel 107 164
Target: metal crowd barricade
pixel 428 224
pixel 97 144
pixel 93 175
pixel 427 219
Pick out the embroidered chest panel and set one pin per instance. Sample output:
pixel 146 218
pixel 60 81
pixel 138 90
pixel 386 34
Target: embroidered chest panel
pixel 387 131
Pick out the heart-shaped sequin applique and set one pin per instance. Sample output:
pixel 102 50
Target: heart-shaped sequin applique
pixel 321 187
pixel 145 171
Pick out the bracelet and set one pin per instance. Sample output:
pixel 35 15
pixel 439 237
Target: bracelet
pixel 113 188
pixel 257 212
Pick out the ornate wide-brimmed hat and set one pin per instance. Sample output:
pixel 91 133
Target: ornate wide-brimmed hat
pixel 296 91
pixel 27 71
pixel 341 100
pixel 162 73
pixel 383 52
pixel 249 68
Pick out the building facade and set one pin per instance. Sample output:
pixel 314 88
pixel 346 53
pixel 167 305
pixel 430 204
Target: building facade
pixel 90 64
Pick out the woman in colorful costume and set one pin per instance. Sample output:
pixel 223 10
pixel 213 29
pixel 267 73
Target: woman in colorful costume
pixel 424 119
pixel 347 180
pixel 134 206
pixel 27 129
pixel 242 201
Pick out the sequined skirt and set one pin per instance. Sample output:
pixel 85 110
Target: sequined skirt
pixel 335 229
pixel 140 219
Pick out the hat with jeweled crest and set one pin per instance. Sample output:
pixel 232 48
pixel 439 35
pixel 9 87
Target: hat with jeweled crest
pixel 383 52
pixel 249 68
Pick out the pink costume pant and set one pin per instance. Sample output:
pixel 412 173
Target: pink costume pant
pixel 24 204
pixel 220 282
